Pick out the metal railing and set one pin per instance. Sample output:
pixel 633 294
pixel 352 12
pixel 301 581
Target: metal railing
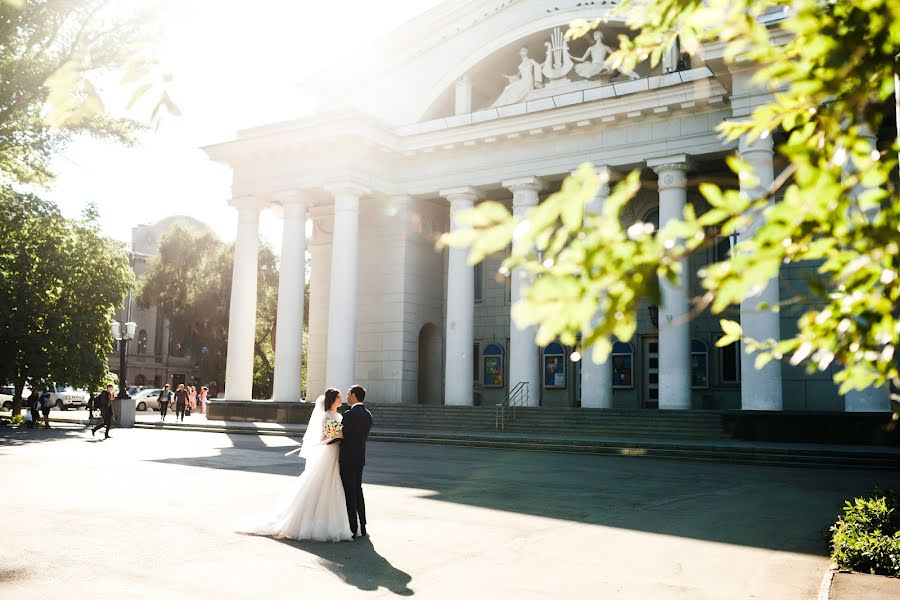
pixel 506 410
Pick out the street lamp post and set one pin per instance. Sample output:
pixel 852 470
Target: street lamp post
pixel 125 410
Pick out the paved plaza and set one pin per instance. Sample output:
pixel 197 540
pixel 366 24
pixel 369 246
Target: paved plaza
pixel 149 514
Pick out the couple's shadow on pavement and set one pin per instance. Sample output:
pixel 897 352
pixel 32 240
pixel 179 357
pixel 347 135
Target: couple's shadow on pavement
pixel 358 564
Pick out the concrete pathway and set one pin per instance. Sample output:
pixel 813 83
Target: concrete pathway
pixel 149 514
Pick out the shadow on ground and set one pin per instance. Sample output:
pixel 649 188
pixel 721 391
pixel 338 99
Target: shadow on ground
pixel 20 436
pixel 777 508
pixel 358 564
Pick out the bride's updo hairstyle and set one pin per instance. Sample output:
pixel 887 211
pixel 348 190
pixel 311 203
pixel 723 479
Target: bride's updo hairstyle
pixel 331 395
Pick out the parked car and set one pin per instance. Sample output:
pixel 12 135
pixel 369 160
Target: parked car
pixel 7 393
pixel 147 399
pixel 66 397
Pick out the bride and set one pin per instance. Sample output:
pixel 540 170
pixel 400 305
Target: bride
pixel 313 507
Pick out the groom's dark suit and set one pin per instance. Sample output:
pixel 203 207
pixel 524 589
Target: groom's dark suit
pixel 357 423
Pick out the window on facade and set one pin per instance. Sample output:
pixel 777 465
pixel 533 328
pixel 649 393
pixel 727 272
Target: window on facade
pixel 622 359
pixel 140 380
pixel 476 356
pixel 142 342
pixel 479 281
pixel 699 365
pixel 730 360
pixel 492 366
pixel 555 366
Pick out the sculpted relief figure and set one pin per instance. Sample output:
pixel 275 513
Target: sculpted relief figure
pixel 557 64
pixel 598 53
pixel 520 85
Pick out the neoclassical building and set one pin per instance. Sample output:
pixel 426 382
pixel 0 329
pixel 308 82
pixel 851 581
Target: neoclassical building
pixel 486 99
pixel 155 356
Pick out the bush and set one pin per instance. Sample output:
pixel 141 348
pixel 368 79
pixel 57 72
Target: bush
pixel 17 420
pixel 866 537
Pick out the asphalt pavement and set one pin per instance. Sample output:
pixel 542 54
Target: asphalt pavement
pixel 150 514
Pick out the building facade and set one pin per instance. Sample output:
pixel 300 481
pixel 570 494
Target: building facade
pixel 154 356
pixel 487 99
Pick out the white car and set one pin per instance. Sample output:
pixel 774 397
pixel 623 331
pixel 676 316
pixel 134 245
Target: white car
pixel 65 397
pixel 147 399
pixel 6 397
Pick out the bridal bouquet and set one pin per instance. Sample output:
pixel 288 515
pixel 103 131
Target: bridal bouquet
pixel 333 429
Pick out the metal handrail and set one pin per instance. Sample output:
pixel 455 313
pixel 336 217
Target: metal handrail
pixel 518 396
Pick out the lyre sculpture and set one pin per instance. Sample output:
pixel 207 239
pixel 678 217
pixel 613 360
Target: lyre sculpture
pixel 558 61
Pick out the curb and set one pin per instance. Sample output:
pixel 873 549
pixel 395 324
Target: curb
pixel 825 586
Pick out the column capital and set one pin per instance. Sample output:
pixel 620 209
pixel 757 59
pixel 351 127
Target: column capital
pixel 347 189
pixel 246 203
pixel 527 184
pixel 285 197
pixel 672 170
pixel 465 193
pixel 763 145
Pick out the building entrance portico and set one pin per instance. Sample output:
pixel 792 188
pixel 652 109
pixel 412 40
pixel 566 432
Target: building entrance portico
pixel 398 159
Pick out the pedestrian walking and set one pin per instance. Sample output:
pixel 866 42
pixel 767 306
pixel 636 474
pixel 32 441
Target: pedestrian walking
pixel 32 406
pixel 201 399
pixel 213 390
pixel 106 410
pixel 46 403
pixel 165 396
pixel 192 400
pixel 181 400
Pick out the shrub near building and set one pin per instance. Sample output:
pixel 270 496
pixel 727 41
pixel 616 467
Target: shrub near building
pixel 867 537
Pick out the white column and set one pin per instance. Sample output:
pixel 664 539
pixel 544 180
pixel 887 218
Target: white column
pixel 340 368
pixel 242 313
pixel 596 380
pixel 524 355
pixel 872 399
pixel 460 306
pixel 760 389
pixel 674 328
pixel 289 323
pixel 463 103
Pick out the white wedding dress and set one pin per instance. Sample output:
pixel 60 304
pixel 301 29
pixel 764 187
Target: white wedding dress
pixel 314 506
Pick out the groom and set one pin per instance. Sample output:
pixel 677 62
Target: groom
pixel 357 423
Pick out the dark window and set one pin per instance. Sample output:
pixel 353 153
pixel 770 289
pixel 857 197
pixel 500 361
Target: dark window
pixel 699 365
pixel 476 355
pixel 479 279
pixel 731 363
pixel 142 342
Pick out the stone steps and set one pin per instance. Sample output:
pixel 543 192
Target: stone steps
pixel 806 456
pixel 543 421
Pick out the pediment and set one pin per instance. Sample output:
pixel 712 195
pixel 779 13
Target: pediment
pixel 400 80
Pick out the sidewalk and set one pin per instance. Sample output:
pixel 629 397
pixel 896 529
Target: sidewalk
pixel 861 586
pixel 717 450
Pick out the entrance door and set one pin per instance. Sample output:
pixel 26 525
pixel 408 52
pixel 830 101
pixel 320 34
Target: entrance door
pixel 651 372
pixel 429 372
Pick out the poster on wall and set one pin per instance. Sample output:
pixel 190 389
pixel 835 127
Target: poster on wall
pixel 622 370
pixel 554 372
pixel 493 371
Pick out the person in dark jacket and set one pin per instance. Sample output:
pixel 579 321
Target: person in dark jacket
pixel 181 400
pixel 106 410
pixel 33 405
pixel 352 458
pixel 165 396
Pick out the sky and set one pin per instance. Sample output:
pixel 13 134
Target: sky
pixel 235 64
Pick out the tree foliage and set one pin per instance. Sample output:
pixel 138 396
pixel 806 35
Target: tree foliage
pixel 832 72
pixel 60 281
pixel 53 56
pixel 190 282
